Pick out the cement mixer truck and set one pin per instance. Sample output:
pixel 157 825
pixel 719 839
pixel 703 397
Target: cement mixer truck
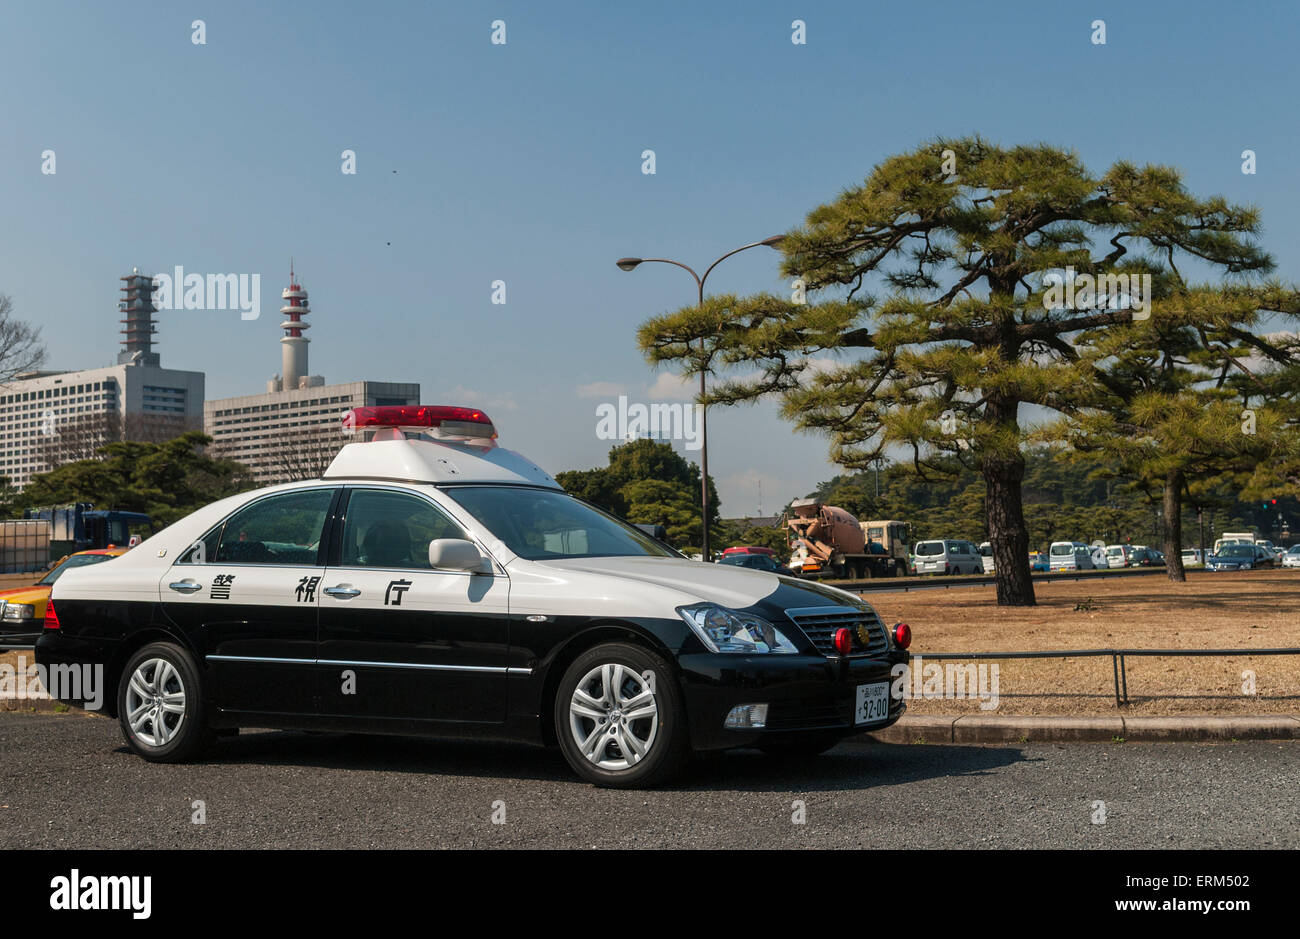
pixel 827 541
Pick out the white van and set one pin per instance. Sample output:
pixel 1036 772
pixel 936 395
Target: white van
pixel 949 556
pixel 986 555
pixel 1119 555
pixel 1069 556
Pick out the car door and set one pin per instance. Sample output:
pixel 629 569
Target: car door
pixel 247 594
pixel 400 641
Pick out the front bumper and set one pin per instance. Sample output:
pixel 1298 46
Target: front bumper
pixel 20 634
pixel 805 694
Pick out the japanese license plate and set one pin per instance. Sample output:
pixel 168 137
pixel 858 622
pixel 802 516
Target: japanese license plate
pixel 872 703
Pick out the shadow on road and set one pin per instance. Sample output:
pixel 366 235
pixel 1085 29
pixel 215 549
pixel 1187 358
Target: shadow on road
pixel 851 765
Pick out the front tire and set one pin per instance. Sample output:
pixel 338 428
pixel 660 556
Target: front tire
pixel 619 718
pixel 160 704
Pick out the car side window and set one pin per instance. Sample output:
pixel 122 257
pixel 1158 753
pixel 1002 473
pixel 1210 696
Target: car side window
pixel 280 529
pixel 386 528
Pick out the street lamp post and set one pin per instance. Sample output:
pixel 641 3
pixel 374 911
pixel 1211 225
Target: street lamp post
pixel 628 264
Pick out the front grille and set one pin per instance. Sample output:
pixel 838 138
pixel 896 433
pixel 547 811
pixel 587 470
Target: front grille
pixel 802 713
pixel 819 624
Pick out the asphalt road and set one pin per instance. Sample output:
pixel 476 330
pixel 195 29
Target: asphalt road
pixel 67 781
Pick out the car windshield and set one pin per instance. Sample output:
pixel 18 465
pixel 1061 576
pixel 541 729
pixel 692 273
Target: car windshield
pixel 545 524
pixel 1237 551
pixel 1062 550
pixel 76 560
pixel 929 548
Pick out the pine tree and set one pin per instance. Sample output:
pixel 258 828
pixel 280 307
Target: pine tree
pixel 963 330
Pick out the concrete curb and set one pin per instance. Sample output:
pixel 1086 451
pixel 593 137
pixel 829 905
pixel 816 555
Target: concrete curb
pixel 984 728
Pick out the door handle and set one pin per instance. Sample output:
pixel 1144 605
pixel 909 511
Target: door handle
pixel 343 593
pixel 185 586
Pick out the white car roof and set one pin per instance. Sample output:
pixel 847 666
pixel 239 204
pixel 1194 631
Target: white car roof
pixel 421 460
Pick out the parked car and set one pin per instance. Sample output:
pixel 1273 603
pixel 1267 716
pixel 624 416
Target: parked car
pixel 950 556
pixel 22 609
pixel 1070 556
pixel 749 549
pixel 1292 556
pixel 441 586
pixel 1147 557
pixel 1192 557
pixel 1038 561
pixel 1119 555
pixel 756 562
pixel 986 556
pixel 1240 557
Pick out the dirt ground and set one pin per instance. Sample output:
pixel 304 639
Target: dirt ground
pixel 1259 609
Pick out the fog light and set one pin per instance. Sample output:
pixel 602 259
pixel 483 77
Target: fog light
pixel 746 716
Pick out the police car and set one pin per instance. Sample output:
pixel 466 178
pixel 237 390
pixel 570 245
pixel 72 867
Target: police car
pixel 433 583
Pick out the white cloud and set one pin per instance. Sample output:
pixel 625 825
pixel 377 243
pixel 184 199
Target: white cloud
pixel 601 389
pixel 468 396
pixel 670 387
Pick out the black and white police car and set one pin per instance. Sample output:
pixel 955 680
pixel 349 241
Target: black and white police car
pixel 433 583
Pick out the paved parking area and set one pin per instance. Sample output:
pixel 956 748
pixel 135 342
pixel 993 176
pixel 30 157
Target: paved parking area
pixel 68 781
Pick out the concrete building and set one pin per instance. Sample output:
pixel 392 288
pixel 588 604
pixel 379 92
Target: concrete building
pixel 293 430
pixel 52 417
pixel 287 435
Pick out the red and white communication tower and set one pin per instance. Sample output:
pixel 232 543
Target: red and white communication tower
pixel 293 346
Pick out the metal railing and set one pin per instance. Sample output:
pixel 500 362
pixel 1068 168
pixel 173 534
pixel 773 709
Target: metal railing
pixel 1117 657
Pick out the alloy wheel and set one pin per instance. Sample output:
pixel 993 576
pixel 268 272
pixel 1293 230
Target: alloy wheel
pixel 155 702
pixel 614 716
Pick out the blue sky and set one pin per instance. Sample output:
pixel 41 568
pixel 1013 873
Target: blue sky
pixel 522 163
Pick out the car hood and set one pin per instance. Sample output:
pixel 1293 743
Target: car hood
pixel 25 595
pixel 735 587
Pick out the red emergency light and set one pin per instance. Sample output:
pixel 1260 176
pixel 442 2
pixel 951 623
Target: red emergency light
pixel 437 420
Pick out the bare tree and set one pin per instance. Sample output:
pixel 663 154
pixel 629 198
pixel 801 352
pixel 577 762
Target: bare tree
pixel 302 453
pixel 21 349
pixel 79 437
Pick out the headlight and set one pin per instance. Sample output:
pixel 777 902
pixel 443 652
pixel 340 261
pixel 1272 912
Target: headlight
pixel 724 630
pixel 17 612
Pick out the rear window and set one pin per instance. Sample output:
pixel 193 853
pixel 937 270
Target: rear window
pixel 1062 550
pixel 929 549
pixel 76 560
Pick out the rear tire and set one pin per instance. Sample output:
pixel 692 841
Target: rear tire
pixel 620 719
pixel 160 704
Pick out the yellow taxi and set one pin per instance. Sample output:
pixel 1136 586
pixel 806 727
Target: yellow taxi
pixel 22 609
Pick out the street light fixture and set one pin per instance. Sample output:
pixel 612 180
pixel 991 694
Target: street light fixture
pixel 629 264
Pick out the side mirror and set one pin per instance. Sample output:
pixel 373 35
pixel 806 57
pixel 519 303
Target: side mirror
pixel 456 554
